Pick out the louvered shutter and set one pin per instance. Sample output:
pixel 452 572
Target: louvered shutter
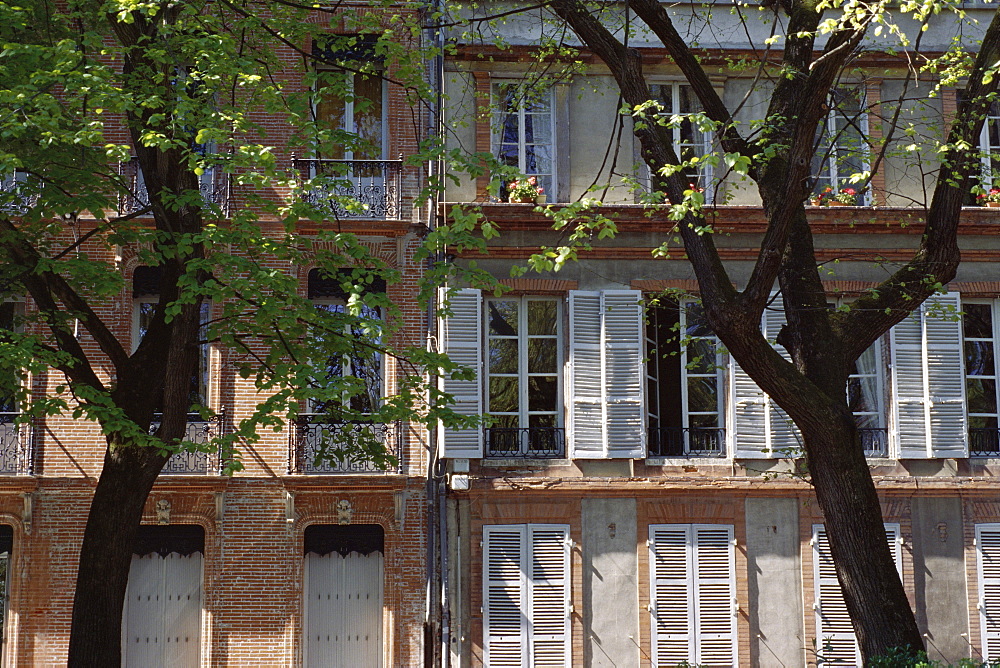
pixel 671 594
pixel 462 337
pixel 783 436
pixel 624 373
pixel 505 623
pixel 988 566
pixel 945 376
pixel 549 595
pixel 714 561
pixel 928 383
pixel 586 370
pixel 749 430
pixel 836 642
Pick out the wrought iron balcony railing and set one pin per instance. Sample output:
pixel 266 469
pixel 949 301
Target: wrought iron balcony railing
pixel 313 434
pixel 20 200
pixel 874 441
pixel 686 442
pixel 526 443
pixel 374 184
pixel 984 442
pixel 15 446
pixel 214 186
pixel 199 430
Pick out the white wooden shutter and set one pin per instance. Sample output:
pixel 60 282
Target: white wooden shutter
pixel 142 629
pixel 835 641
pixel 586 370
pixel 714 561
pixel 624 390
pixel 928 382
pixel 671 593
pixel 988 568
pixel 461 334
pixel 749 422
pixel 505 623
pixel 549 595
pixel 784 439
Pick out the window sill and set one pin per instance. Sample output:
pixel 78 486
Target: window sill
pixel 523 463
pixel 688 461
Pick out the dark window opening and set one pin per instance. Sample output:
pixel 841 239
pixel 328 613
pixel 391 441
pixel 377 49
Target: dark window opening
pixel 365 539
pixel 184 539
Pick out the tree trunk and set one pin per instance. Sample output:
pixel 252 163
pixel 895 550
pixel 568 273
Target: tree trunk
pixel 105 558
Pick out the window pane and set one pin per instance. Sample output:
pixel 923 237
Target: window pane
pixel 368 115
pixel 867 363
pixel 862 395
pixel 982 422
pixel 503 394
pixel 503 356
pixel 704 421
pixel 977 322
pixel 981 395
pixel 695 323
pixel 979 358
pixel 538 128
pixel 542 393
pixel 701 356
pixel 503 317
pixel 542 317
pixel 702 395
pixel 542 355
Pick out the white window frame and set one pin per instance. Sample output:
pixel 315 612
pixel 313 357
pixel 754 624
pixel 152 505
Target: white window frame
pixel 702 646
pixel 833 133
pixel 549 180
pixel 705 170
pixel 515 641
pixel 995 346
pixel 987 149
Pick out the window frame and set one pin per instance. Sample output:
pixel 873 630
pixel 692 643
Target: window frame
pixel 350 120
pixel 994 310
pixel 706 172
pixel 548 180
pixel 880 376
pixel 827 143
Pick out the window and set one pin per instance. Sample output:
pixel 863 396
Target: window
pixel 685 379
pixel 978 328
pixel 690 142
pixel 161 624
pixel 15 439
pixel 526 595
pixel 360 110
pixel 524 366
pixel 841 144
pixel 6 551
pixel 835 639
pixel 344 585
pixel 693 594
pixel 11 317
pixel 989 147
pixel 523 131
pixel 988 585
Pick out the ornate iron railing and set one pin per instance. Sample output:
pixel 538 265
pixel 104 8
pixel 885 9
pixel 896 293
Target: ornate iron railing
pixel 686 442
pixel 15 446
pixel 21 200
pixel 199 430
pixel 874 441
pixel 342 445
pixel 374 184
pixel 984 442
pixel 526 442
pixel 214 186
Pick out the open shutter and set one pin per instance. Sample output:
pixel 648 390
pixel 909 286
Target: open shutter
pixel 836 642
pixel 783 436
pixel 586 370
pixel 461 334
pixel 505 624
pixel 671 593
pixel 549 594
pixel 624 373
pixel 714 561
pixel 928 383
pixel 749 429
pixel 988 566
pixel 945 376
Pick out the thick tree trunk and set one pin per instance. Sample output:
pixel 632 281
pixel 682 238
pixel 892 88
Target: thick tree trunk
pixel 108 541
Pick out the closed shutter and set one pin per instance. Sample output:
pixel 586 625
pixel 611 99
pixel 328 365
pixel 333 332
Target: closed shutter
pixel 784 438
pixel 586 371
pixel 693 594
pixel 836 643
pixel 505 628
pixel 988 566
pixel 549 594
pixel 142 630
pixel 344 599
pixel 462 337
pixel 624 373
pixel 928 383
pixel 181 610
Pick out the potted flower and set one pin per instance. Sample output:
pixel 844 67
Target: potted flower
pixel 525 191
pixel 990 199
pixel 831 197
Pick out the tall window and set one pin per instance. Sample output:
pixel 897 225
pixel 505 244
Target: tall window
pixel 690 142
pixel 524 368
pixel 693 594
pixel 6 550
pixel 161 622
pixel 685 379
pixel 989 147
pixel 978 325
pixel 841 144
pixel 865 387
pixel 11 315
pixel 360 109
pixel 526 595
pixel 523 131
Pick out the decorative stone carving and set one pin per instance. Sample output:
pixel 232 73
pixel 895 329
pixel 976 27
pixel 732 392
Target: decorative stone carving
pixel 163 511
pixel 344 511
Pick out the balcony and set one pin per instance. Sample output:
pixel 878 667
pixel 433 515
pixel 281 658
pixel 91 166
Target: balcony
pixel 214 186
pixel 199 430
pixel 314 433
pixel 687 442
pixel 984 442
pixel 15 446
pixel 874 441
pixel 21 201
pixel 525 443
pixel 374 184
